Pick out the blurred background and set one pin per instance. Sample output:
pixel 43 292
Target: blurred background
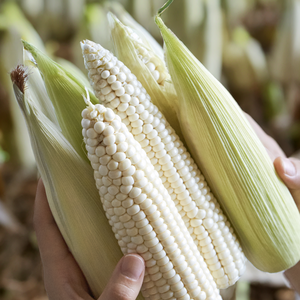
pixel 251 46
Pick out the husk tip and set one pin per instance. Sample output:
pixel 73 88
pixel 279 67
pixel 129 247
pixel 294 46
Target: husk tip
pixel 164 7
pixel 114 21
pixel 27 46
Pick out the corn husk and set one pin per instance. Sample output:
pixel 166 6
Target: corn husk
pixel 162 95
pixel 70 188
pixel 74 70
pixel 129 21
pixel 236 165
pixel 65 92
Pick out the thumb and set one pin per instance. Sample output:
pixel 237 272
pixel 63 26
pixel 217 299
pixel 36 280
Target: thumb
pixel 126 280
pixel 289 171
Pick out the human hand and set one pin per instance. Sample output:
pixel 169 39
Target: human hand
pixel 63 278
pixel 62 275
pixel 288 170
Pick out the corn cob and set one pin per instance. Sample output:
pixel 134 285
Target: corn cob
pixel 118 89
pixel 141 211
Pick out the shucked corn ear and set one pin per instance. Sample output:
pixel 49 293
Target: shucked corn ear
pixel 142 213
pixel 234 161
pixel 118 89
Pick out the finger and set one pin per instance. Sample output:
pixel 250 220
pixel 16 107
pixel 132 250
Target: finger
pixel 62 275
pixel 288 170
pixel 269 143
pixel 126 280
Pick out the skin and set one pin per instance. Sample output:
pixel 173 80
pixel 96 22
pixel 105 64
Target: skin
pixel 63 277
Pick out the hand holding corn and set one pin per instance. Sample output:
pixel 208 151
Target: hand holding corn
pixel 191 228
pixel 62 275
pixel 63 278
pixel 289 171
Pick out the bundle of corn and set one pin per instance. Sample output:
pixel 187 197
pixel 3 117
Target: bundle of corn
pixel 287 45
pixel 151 189
pixel 244 61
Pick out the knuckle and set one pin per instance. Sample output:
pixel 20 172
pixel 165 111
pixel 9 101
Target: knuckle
pixel 122 292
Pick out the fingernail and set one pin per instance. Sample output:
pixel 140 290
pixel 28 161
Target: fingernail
pixel 132 266
pixel 288 167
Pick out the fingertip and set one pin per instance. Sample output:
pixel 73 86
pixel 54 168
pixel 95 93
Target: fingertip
pixel 278 164
pixel 287 171
pixel 132 266
pixel 126 280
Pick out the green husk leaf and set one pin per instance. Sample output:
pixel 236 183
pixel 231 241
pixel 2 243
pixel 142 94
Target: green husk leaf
pixel 234 161
pixel 65 92
pixel 37 88
pixel 74 70
pixel 72 196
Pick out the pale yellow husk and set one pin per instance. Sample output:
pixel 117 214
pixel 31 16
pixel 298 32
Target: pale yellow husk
pixel 70 188
pixel 234 162
pixel 163 96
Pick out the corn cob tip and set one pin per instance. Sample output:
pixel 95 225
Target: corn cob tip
pixel 88 46
pixel 97 112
